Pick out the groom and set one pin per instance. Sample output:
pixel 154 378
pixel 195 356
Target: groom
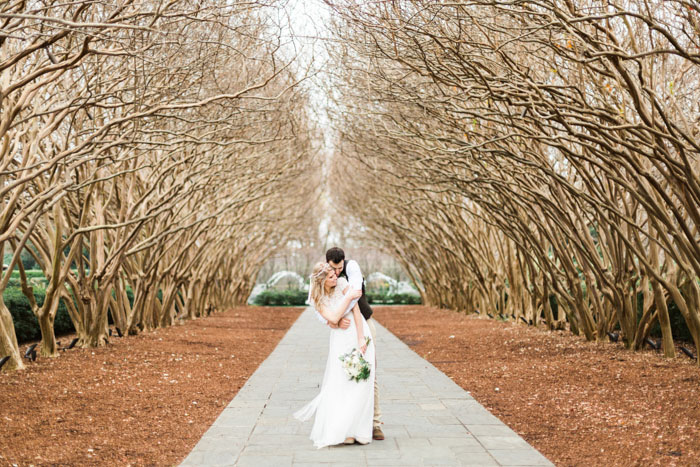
pixel 351 271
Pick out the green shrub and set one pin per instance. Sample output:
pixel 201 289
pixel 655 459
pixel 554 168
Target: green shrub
pixel 30 273
pixel 406 299
pixel 27 259
pixel 679 328
pixel 130 295
pixel 554 306
pixel 26 324
pixel 393 299
pixel 281 298
pixel 298 298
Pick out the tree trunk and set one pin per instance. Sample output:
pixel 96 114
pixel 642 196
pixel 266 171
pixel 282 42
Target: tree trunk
pixel 48 346
pixel 664 321
pixel 8 340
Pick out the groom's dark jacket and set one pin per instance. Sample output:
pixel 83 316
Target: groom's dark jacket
pixel 365 309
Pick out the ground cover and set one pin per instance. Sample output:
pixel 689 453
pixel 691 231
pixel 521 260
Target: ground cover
pixel 141 400
pixel 577 402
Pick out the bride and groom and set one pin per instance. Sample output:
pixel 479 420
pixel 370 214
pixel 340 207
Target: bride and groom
pixel 347 406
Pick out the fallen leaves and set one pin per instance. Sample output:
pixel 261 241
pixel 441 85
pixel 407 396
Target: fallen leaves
pixel 127 403
pixel 577 402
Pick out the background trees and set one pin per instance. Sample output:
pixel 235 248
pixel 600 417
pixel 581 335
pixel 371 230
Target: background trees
pixel 534 160
pixel 149 150
pixel 539 161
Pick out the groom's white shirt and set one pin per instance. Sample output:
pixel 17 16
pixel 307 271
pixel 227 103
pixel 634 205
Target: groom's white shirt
pixel 352 269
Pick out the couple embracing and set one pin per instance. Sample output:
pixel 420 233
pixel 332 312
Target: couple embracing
pixel 347 406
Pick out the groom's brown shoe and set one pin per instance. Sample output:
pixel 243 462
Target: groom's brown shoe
pixel 377 433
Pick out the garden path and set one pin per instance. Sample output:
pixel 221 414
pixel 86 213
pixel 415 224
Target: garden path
pixel 428 419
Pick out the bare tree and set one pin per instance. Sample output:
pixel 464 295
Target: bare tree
pixel 137 163
pixel 538 150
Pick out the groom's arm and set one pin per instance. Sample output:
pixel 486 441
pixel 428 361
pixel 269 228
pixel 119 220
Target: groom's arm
pixel 318 315
pixel 344 323
pixel 354 279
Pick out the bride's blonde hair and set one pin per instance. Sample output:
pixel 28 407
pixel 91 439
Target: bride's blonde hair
pixel 318 277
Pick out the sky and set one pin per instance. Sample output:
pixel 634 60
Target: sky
pixel 306 29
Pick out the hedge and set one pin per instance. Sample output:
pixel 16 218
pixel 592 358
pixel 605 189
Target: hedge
pixel 679 328
pixel 31 274
pixel 26 324
pixel 281 298
pixel 298 298
pixel 393 299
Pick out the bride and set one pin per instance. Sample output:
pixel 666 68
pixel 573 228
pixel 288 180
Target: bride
pixel 344 408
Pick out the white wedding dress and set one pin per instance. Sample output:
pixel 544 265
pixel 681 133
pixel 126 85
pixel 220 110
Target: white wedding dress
pixel 343 408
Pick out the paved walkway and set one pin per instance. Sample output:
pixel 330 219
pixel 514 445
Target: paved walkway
pixel 428 419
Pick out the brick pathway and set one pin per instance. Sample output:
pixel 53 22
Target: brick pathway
pixel 428 419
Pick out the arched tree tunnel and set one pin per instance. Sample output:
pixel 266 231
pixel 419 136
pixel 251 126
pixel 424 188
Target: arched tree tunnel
pixel 535 160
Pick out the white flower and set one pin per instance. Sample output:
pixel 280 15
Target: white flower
pixel 354 365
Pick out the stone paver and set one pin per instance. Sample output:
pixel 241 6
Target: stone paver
pixel 428 419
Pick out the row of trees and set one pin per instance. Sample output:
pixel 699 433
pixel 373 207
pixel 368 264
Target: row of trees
pixel 146 145
pixel 518 154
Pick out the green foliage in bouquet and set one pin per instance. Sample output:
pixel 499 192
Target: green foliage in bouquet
pixel 355 366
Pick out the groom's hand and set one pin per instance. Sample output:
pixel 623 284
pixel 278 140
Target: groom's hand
pixel 344 323
pixel 355 293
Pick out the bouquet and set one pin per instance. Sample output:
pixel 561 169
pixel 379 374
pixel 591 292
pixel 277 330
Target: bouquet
pixel 355 365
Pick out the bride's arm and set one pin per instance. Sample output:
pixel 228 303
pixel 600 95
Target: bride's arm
pixel 361 344
pixel 334 315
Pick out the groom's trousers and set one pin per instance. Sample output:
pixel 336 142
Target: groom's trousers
pixel 377 410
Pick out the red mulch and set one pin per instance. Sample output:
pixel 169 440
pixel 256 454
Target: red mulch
pixel 141 400
pixel 577 402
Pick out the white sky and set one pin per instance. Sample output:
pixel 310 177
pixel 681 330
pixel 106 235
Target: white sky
pixel 307 19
